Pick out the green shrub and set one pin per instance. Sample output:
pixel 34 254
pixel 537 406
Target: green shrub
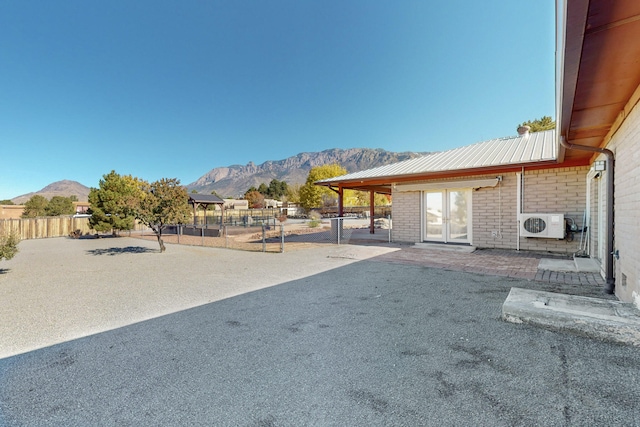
pixel 314 219
pixel 8 245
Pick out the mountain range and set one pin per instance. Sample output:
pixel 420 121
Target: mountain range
pixel 233 181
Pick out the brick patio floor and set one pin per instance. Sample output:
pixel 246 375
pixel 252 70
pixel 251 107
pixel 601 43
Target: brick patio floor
pixel 497 262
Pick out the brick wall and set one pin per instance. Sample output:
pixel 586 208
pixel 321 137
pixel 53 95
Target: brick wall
pixel 494 224
pixel 494 214
pixel 626 146
pixel 405 212
pixel 560 190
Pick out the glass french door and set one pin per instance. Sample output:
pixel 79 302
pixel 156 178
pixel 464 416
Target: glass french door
pixel 447 216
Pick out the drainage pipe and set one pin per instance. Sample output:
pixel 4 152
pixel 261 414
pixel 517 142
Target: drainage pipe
pixel 610 285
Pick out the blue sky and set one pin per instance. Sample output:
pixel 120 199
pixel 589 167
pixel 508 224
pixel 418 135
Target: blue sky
pixel 176 88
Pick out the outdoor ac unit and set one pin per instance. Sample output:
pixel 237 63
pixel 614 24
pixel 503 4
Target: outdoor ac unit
pixel 550 226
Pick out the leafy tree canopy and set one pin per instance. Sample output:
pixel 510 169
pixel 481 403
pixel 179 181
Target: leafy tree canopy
pixel 162 203
pixel 113 205
pixel 35 206
pixel 6 202
pixel 59 205
pixel 277 189
pixel 311 195
pixel 538 125
pixel 293 193
pixel 255 199
pixel 362 198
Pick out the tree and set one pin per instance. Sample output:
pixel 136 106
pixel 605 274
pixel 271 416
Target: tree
pixel 6 202
pixel 311 195
pixel 113 205
pixel 35 206
pixel 362 198
pixel 538 125
pixel 163 202
pixel 263 189
pixel 255 199
pixel 59 205
pixel 8 245
pixel 293 193
pixel 277 189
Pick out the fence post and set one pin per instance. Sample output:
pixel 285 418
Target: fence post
pixel 338 227
pixel 202 235
pixel 389 226
pixel 281 238
pixel 178 231
pixel 264 242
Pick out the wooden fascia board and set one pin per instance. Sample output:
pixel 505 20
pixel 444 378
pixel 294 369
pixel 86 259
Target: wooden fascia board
pixel 575 21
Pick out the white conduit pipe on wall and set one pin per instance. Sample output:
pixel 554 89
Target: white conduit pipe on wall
pixel 518 206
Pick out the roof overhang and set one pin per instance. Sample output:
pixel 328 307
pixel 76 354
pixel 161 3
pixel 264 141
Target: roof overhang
pixel 597 70
pixel 383 184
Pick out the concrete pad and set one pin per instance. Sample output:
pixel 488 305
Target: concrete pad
pixel 597 318
pixel 587 265
pixel 557 265
pixel 445 247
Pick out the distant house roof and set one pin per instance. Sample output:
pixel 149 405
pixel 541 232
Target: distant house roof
pixel 205 199
pixel 531 148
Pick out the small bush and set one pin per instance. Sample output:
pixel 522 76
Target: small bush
pixel 314 219
pixel 8 245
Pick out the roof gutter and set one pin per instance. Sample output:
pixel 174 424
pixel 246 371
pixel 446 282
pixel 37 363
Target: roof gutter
pixel 610 285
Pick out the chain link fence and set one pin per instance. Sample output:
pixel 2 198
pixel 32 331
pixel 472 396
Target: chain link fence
pixel 277 236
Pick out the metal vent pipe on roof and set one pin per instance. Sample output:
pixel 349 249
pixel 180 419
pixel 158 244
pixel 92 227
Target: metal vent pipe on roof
pixel 524 130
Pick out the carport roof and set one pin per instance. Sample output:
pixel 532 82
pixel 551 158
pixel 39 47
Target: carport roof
pixel 205 199
pixel 529 149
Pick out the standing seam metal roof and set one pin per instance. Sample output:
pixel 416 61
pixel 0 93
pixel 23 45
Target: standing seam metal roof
pixel 521 149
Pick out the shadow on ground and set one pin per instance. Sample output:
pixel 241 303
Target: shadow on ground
pixel 4 270
pixel 119 251
pixel 370 343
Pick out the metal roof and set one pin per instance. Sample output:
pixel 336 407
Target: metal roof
pixel 205 199
pixel 522 149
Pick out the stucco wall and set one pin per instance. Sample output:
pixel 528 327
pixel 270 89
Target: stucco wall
pixel 626 146
pixel 558 190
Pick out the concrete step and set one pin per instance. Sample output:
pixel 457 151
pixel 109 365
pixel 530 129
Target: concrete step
pixel 446 247
pixel 575 265
pixel 607 320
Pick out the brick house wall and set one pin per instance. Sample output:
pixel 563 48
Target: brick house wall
pixel 405 212
pixel 494 209
pixel 625 143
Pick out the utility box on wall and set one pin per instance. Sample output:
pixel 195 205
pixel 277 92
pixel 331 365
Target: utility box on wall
pixel 550 226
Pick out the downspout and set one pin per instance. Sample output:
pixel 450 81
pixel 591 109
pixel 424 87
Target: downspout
pixel 611 282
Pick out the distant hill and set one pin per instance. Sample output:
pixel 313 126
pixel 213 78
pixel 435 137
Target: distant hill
pixel 63 188
pixel 233 181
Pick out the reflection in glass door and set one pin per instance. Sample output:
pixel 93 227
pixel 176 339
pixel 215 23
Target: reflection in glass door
pixel 434 216
pixel 447 216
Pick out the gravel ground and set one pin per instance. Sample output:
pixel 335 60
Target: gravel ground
pixel 60 289
pixel 336 343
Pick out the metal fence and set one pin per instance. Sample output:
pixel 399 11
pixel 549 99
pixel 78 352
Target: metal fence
pixel 255 232
pixel 282 236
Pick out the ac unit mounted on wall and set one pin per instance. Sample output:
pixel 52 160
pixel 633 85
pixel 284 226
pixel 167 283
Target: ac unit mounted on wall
pixel 550 226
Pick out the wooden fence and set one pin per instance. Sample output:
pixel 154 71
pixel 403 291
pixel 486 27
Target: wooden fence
pixel 43 227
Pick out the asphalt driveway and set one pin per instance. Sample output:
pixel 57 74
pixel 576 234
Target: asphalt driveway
pixel 324 336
